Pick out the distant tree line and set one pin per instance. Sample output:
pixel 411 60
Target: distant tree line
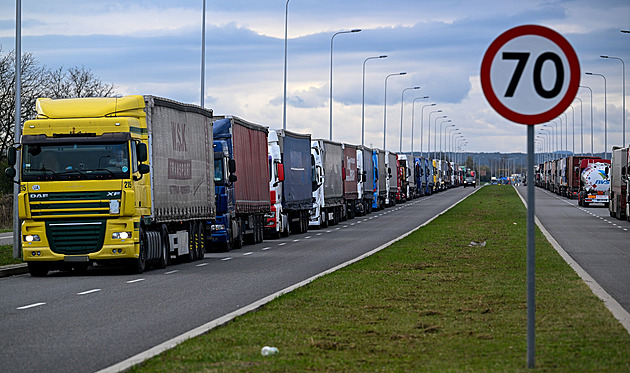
pixel 38 81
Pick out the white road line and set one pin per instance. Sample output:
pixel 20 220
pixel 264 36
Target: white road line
pixel 282 244
pixel 31 306
pixel 296 240
pixel 328 231
pixel 88 291
pixel 265 248
pixel 307 237
pixel 318 234
pixel 248 253
pixel 224 259
pixel 134 281
pixel 202 264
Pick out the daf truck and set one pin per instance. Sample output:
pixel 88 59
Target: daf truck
pixel 115 180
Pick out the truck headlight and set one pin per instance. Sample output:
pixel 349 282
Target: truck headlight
pixel 218 227
pixel 31 238
pixel 121 235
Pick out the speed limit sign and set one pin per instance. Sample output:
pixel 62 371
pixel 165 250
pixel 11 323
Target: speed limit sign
pixel 530 74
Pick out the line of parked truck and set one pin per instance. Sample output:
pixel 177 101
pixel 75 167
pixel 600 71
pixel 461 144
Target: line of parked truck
pixel 590 180
pixel 139 180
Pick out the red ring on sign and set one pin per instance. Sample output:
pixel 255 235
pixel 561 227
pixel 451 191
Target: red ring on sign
pixel 574 82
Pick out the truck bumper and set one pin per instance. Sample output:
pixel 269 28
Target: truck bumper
pixel 36 246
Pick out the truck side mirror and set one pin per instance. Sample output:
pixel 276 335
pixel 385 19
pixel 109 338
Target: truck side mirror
pixel 143 169
pixel 232 178
pixel 280 172
pixel 10 172
pixel 143 154
pixel 232 166
pixel 11 156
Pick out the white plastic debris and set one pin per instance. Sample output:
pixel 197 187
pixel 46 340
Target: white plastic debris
pixel 267 350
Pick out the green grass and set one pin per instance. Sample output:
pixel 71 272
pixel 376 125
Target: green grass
pixel 6 255
pixel 430 302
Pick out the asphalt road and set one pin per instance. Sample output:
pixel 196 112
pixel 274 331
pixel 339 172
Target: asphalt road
pixel 6 238
pixel 598 243
pixel 84 323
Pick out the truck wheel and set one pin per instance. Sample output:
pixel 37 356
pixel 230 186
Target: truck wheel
pixel 138 265
pixel 162 261
pixel 167 245
pixel 37 269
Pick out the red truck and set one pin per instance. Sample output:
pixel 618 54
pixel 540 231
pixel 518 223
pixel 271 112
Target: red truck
pixel 573 174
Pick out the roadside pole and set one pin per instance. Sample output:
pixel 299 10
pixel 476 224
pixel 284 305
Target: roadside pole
pixel 514 84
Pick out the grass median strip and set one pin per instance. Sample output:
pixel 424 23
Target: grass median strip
pixel 449 297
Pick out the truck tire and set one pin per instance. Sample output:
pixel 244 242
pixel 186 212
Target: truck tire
pixel 201 240
pixel 166 242
pixel 162 261
pixel 37 269
pixel 139 264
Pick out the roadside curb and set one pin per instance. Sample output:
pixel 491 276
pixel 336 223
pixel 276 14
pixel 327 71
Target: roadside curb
pixel 13 270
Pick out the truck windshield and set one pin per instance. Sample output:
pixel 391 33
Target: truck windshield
pixel 75 161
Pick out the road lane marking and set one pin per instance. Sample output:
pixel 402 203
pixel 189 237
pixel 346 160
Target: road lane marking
pixel 265 248
pixel 89 291
pixel 248 253
pixel 282 244
pixel 296 240
pixel 202 264
pixel 171 272
pixel 224 259
pixel 31 306
pixel 134 281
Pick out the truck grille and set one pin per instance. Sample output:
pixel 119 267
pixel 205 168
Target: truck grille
pixel 71 203
pixel 75 237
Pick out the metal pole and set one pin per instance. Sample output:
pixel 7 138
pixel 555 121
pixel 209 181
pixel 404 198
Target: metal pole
pixel 531 253
pixel 623 94
pixel 18 125
pixel 402 102
pixel 605 116
pixel 331 74
pixel 363 99
pixel 581 126
pixel 429 135
pixel 203 53
pixel 385 110
pixel 422 125
pixel 591 91
pixel 284 101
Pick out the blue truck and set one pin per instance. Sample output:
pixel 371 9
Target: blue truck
pixel 242 201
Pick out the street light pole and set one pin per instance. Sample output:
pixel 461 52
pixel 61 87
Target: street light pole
pixel 581 126
pixel 623 94
pixel 363 99
pixel 284 101
pixel 413 107
pixel 605 116
pixel 402 105
pixel 590 90
pixel 331 73
pixel 385 110
pixel 422 125
pixel 17 236
pixel 203 53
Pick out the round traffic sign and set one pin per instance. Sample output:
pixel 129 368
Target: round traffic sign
pixel 530 74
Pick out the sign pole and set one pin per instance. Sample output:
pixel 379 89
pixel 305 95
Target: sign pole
pixel 531 253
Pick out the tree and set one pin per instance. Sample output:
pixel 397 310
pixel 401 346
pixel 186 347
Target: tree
pixel 38 81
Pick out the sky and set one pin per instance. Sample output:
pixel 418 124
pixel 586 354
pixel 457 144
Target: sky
pixel 154 47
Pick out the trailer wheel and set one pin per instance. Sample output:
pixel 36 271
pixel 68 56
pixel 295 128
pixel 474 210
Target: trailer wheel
pixel 162 261
pixel 166 242
pixel 37 269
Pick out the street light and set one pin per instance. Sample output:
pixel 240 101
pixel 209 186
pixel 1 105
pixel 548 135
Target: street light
pixel 413 107
pixel 435 135
pixel 590 90
pixel 203 53
pixel 284 102
pixel 434 138
pixel 581 126
pixel 429 136
pixel 385 109
pixel 573 134
pixel 623 93
pixel 605 116
pixel 402 102
pixel 331 72
pixel 363 98
pixel 441 123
